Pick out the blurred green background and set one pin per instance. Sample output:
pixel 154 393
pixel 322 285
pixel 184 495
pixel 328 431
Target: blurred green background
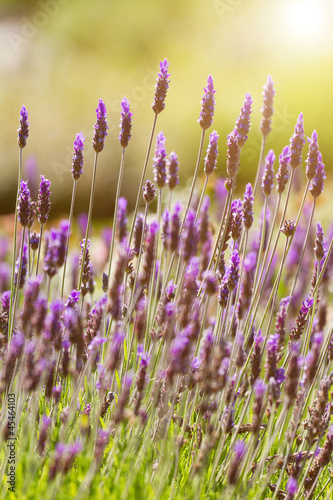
pixel 58 57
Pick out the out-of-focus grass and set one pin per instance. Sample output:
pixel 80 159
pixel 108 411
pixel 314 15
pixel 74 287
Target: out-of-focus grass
pixel 110 49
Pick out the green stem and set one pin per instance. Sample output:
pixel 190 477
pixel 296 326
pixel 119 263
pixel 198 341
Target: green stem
pixel 114 224
pixel 68 236
pixel 91 202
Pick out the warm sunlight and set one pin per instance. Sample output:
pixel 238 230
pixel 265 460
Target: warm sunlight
pixel 306 17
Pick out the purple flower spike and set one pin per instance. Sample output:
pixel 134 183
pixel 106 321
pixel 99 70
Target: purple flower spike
pixel 268 175
pixel 237 220
pixel 43 204
pixel 319 248
pixel 232 155
pixel 291 487
pixel 267 109
pixel 312 159
pixel 125 123
pixel 259 388
pixel 122 218
pixel 297 142
pixel 149 191
pixel 190 237
pixel 207 105
pixel 239 453
pixel 283 173
pixel 159 161
pixel 23 131
pixel 173 169
pixel 175 227
pixel 248 207
pixel 24 205
pixel 212 152
pixel 161 87
pixel 317 183
pixel 243 121
pixel 77 160
pixel 101 127
pixel 232 274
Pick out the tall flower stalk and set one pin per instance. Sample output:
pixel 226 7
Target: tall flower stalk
pixel 99 137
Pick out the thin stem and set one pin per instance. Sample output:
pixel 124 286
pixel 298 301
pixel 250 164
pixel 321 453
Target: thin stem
pixel 142 180
pixel 120 179
pixel 12 287
pixel 91 202
pixel 39 247
pixel 68 236
pixel 201 198
pixel 18 280
pixel 258 175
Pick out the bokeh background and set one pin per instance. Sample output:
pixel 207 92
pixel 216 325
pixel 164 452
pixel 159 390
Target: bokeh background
pixel 58 57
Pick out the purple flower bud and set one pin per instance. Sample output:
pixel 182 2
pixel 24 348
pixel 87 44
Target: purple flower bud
pixel 166 229
pixel 77 160
pixel 175 227
pixel 173 169
pixel 161 87
pixel 312 158
pixel 297 142
pixel 232 155
pixel 239 453
pixel 267 109
pixel 243 121
pixel 319 248
pixel 137 233
pixel 283 173
pixel 159 161
pixel 23 131
pixel 317 183
pixel 223 294
pixel 210 283
pixel 149 191
pixel 291 487
pixel 5 301
pixel 122 218
pixel 125 123
pixel 190 237
pixel 288 228
pixel 259 388
pixel 301 319
pixel 150 244
pixel 101 128
pixel 34 241
pixel 44 204
pixel 24 266
pixel 232 273
pixel 268 175
pixel 24 205
pixel 207 105
pixel 248 207
pixel 212 152
pixel 237 221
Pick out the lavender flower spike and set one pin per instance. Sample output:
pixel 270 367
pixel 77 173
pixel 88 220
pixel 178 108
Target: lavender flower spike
pixel 319 248
pixel 207 105
pixel 161 87
pixel 159 161
pixel 232 274
pixel 268 175
pixel 212 152
pixel 101 127
pixel 283 173
pixel 312 158
pixel 243 121
pixel 267 109
pixel 24 205
pixel 77 160
pixel 23 131
pixel 44 204
pixel 190 237
pixel 232 155
pixel 297 142
pixel 125 123
pixel 173 168
pixel 317 183
pixel 248 207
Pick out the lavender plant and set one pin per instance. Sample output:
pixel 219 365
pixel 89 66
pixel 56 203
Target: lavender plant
pixel 190 368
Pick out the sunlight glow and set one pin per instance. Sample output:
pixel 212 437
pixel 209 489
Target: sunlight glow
pixel 305 17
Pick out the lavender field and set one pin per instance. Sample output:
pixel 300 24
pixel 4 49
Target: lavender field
pixel 185 351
